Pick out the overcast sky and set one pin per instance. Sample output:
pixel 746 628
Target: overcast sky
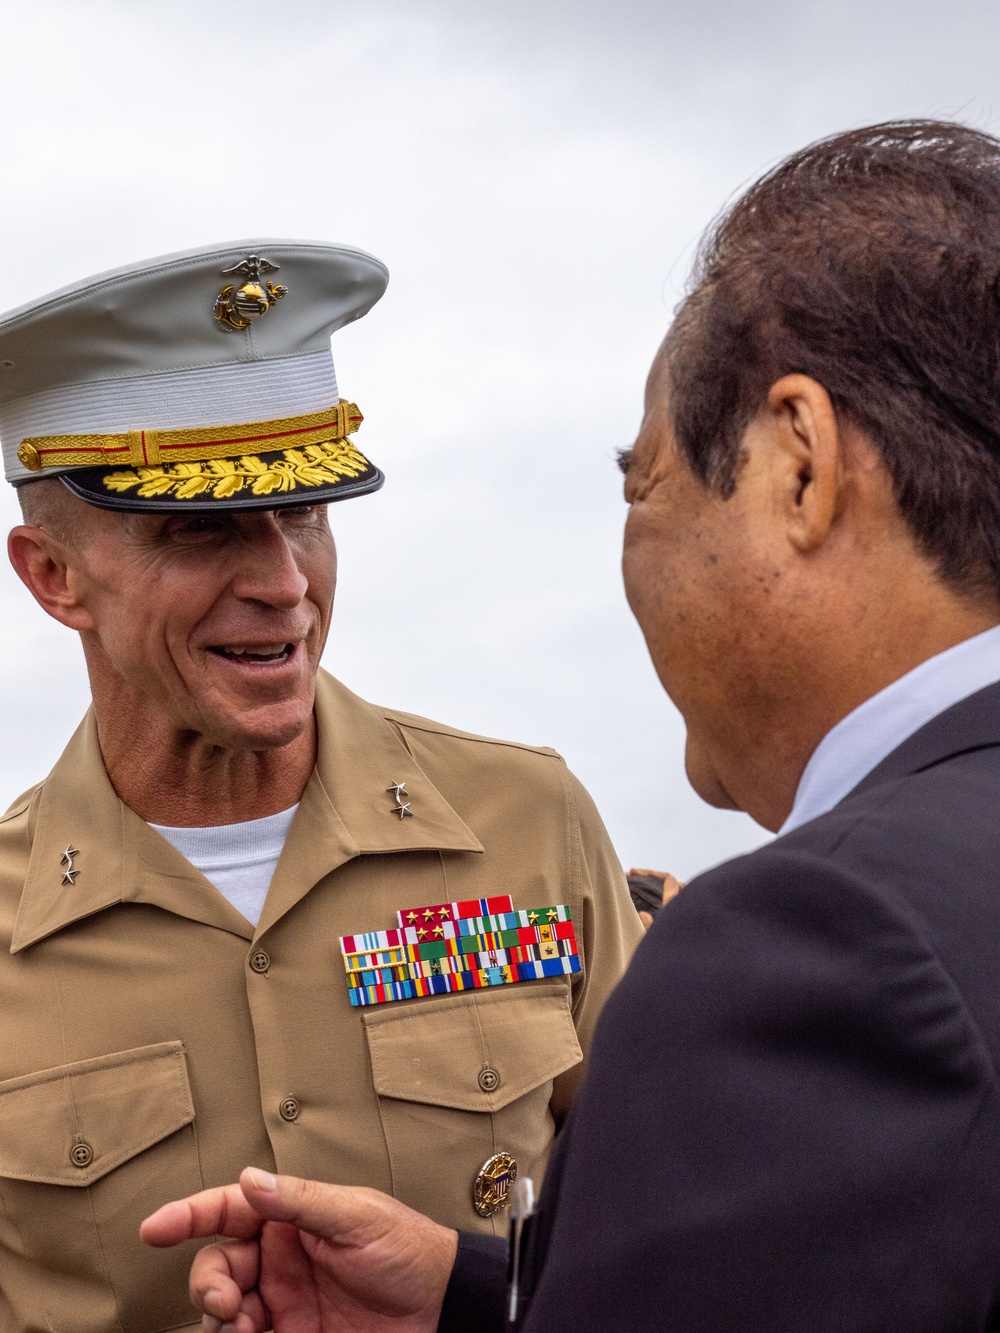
pixel 535 175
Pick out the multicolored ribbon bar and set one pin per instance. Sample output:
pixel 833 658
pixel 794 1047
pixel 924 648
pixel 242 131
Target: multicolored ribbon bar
pixel 439 929
pixel 459 946
pixel 415 916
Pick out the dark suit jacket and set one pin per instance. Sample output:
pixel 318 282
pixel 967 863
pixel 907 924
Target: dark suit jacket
pixel 791 1118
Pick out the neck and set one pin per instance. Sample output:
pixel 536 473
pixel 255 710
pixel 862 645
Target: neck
pixel 184 780
pixel 783 727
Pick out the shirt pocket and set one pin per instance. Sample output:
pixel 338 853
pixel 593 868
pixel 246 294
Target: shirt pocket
pixel 462 1077
pixel 87 1150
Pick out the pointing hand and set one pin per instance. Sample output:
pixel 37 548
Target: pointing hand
pixel 309 1258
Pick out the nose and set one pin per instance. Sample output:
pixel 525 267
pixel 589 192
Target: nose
pixel 267 568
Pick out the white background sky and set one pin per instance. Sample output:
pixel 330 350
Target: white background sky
pixel 535 174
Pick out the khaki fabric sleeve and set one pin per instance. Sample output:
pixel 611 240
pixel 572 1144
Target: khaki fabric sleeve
pixel 609 931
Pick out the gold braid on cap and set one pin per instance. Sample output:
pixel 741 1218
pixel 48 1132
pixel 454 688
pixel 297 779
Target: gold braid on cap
pixel 146 448
pixel 315 465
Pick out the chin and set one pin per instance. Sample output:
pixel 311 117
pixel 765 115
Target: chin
pixel 705 780
pixel 261 728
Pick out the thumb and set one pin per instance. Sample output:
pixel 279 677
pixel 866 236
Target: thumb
pixel 375 1252
pixel 341 1214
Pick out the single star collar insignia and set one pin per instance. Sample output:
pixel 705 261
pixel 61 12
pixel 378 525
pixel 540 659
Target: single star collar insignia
pixel 460 946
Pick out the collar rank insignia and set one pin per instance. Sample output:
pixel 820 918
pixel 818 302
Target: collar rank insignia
pixel 238 305
pixel 459 946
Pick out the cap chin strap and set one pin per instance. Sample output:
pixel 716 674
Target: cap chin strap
pixel 145 448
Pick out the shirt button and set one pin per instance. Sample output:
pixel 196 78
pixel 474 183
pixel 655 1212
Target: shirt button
pixel 489 1079
pixel 81 1155
pixel 289 1109
pixel 260 961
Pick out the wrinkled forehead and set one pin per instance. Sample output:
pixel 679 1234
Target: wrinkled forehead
pixel 656 422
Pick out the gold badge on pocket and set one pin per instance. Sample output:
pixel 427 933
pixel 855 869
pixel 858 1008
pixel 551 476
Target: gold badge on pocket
pixel 492 1185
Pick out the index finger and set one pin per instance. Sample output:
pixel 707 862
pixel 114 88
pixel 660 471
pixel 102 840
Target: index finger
pixel 218 1212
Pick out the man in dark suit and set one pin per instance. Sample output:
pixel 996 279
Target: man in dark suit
pixel 791 1118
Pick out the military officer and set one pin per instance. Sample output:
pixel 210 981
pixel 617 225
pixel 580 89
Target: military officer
pixel 249 917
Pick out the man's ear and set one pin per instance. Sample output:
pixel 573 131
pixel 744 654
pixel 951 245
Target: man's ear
pixel 45 567
pixel 806 448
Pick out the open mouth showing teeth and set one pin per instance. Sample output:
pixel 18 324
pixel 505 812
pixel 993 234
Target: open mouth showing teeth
pixel 262 654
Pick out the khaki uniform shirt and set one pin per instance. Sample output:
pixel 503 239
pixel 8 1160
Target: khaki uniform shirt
pixel 152 1043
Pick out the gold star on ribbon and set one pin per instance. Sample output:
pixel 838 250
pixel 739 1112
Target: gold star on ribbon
pixel 532 917
pixel 411 917
pixel 443 913
pixel 552 914
pixel 421 934
pixel 428 914
pixel 439 930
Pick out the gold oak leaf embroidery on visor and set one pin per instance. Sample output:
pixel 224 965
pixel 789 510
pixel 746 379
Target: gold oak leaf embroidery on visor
pixel 314 465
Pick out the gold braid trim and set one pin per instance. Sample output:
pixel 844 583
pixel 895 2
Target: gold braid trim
pixel 315 465
pixel 145 447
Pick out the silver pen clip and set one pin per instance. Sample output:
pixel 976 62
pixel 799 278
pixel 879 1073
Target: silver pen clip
pixel 522 1206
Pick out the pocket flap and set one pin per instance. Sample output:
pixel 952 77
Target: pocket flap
pixel 438 1053
pixel 73 1124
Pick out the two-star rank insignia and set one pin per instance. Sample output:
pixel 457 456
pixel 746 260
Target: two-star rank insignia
pixel 71 872
pixel 399 795
pixel 474 944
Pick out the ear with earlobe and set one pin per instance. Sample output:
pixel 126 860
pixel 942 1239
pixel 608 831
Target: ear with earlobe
pixel 46 568
pixel 806 447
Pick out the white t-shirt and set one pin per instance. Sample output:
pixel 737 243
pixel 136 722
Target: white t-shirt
pixel 239 859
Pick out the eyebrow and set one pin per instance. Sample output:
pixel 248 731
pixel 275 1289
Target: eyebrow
pixel 624 458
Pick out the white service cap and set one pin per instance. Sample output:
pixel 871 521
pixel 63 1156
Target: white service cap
pixel 195 380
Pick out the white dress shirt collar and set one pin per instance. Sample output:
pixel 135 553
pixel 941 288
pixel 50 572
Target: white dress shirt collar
pixel 860 741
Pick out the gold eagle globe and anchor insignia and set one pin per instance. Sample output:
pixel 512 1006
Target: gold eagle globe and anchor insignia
pixel 237 306
pixel 492 1186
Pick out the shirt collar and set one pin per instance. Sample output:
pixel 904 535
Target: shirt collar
pixel 860 741
pixel 345 811
pixel 348 808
